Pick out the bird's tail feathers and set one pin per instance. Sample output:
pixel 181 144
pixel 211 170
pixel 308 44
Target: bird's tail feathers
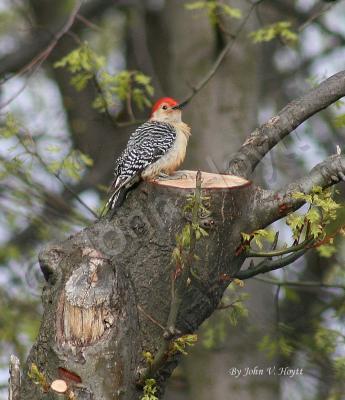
pixel 119 195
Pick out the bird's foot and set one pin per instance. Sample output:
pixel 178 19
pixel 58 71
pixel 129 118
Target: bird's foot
pixel 176 175
pixel 163 177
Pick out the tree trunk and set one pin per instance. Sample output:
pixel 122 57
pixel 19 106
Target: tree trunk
pixel 106 285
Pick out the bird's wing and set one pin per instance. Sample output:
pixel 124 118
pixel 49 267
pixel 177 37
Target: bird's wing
pixel 146 145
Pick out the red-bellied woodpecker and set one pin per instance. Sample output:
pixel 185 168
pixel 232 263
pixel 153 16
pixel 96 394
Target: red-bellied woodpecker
pixel 156 147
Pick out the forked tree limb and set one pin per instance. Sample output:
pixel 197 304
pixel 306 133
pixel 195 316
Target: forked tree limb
pixel 273 205
pixel 269 265
pixel 264 138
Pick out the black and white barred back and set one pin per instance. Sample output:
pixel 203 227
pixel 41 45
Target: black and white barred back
pixel 145 146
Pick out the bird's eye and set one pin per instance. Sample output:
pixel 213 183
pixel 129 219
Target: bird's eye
pixel 164 107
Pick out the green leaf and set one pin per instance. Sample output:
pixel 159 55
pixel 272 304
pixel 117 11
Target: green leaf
pixel 246 237
pixel 142 79
pixel 80 81
pixel 339 121
pixel 176 254
pixel 230 11
pixel 53 148
pixel 149 390
pixel 87 160
pixel 316 230
pixel 274 346
pixel 313 216
pixel 237 311
pixel 238 282
pixel 339 367
pixel 291 295
pixel 278 30
pixel 11 127
pixel 326 339
pixel 326 250
pixel 295 222
pixel 100 103
pixel 213 9
pixel 83 63
pixel 179 345
pixel 148 357
pixel 196 5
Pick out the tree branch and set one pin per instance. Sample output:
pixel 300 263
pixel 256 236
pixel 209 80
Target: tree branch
pixel 276 253
pixel 268 265
pixel 301 284
pixel 225 52
pixel 16 61
pixel 264 138
pixel 273 205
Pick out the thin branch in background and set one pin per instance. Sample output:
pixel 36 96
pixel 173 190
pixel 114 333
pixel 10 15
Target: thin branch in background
pixel 37 61
pixel 304 19
pixel 276 303
pixel 229 305
pixel 99 90
pixel 37 191
pixel 226 51
pixel 148 316
pixel 316 15
pixel 301 284
pixel 46 167
pixel 88 23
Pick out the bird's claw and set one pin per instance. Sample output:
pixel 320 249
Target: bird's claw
pixel 176 175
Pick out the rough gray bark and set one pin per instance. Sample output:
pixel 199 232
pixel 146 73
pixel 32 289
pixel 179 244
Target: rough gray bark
pixel 97 279
pixel 14 380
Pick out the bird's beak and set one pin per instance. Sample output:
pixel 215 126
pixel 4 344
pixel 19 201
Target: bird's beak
pixel 180 106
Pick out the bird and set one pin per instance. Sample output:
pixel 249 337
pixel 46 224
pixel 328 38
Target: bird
pixel 155 149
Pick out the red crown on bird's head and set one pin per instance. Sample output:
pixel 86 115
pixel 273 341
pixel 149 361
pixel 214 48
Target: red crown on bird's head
pixel 170 101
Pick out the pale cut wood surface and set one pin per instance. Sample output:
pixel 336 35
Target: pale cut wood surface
pixel 209 181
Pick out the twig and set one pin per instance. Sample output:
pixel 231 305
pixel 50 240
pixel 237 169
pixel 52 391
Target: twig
pixel 37 61
pixel 268 265
pixel 67 187
pixel 99 90
pixel 276 302
pixel 203 82
pixel 88 23
pixel 292 249
pixel 225 306
pixel 312 18
pixel 148 316
pixel 302 284
pixel 275 241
